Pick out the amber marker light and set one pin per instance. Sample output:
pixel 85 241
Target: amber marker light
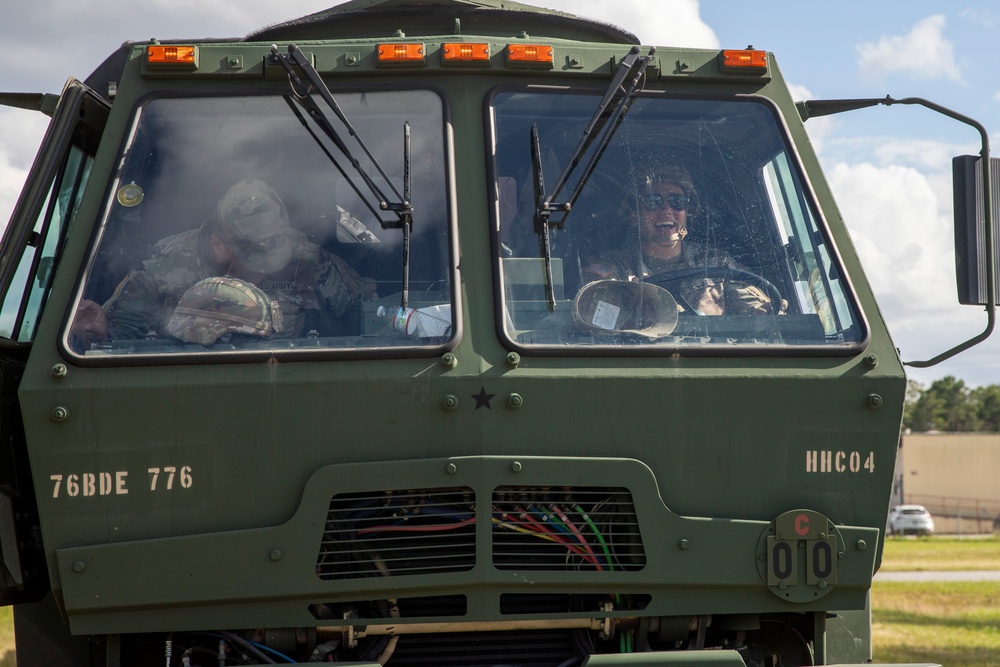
pixel 400 54
pixel 465 52
pixel 530 54
pixel 746 60
pixel 173 54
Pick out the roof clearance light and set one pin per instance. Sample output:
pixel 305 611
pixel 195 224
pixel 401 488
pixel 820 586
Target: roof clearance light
pixel 400 54
pixel 465 52
pixel 530 54
pixel 172 54
pixel 746 60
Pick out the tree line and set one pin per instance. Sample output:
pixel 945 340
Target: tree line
pixel 948 405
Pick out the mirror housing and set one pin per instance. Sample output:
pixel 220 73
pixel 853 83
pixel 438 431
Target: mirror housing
pixel 970 241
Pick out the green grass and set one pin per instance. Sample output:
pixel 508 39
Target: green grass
pixel 904 554
pixel 6 637
pixel 956 624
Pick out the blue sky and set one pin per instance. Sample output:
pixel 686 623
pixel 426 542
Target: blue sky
pixel 890 168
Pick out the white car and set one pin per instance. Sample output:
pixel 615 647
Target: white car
pixel 910 519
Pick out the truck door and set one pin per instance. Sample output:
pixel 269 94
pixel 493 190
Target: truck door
pixel 32 247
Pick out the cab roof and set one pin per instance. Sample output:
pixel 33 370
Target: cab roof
pixel 382 18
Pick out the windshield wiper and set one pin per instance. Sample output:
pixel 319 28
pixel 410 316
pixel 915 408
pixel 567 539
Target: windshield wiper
pixel 401 205
pixel 610 112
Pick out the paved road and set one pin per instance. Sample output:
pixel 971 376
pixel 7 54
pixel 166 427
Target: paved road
pixel 963 575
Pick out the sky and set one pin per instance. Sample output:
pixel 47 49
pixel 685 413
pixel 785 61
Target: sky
pixel 889 167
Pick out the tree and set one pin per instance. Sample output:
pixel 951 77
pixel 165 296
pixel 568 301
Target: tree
pixel 987 402
pixel 947 405
pixel 913 391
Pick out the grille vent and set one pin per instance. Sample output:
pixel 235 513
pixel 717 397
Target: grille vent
pixel 422 531
pixel 577 528
pixel 433 531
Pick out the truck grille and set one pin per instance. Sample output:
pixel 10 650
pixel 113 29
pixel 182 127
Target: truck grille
pixel 423 531
pixel 578 528
pixel 433 531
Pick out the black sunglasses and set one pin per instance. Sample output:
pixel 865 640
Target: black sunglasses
pixel 656 202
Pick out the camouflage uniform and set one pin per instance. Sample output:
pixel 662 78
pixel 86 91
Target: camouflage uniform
pixel 740 299
pixel 315 290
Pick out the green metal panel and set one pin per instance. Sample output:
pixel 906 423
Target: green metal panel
pixel 189 496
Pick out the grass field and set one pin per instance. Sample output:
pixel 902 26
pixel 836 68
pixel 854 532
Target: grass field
pixel 6 637
pixel 907 554
pixel 956 624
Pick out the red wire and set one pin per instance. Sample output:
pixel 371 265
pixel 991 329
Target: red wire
pixel 576 531
pixel 417 529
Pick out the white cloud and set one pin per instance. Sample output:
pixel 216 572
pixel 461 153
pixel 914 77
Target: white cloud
pixel 980 16
pixel 900 223
pixel 21 132
pixel 674 23
pixel 922 53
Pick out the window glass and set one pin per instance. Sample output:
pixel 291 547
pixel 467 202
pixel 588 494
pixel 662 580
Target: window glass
pixel 237 224
pixel 694 229
pixel 31 282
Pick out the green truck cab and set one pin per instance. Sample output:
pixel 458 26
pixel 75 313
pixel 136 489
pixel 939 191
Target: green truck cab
pixel 443 333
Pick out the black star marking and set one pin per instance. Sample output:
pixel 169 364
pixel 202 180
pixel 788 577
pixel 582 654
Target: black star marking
pixel 483 399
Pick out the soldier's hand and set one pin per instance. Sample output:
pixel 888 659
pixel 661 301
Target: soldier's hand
pixel 747 299
pixel 90 324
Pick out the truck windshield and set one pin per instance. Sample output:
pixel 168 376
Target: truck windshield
pixel 695 230
pixel 235 224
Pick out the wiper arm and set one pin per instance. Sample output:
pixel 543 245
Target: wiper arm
pixel 401 206
pixel 608 116
pixel 302 93
pixel 333 160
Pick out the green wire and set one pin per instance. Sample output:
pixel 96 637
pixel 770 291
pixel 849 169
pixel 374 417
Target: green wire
pixel 597 533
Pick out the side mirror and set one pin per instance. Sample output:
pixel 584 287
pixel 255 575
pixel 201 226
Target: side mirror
pixel 970 241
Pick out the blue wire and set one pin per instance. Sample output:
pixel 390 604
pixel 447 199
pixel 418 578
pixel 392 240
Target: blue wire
pixel 270 650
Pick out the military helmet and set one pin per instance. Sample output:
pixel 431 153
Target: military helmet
pixel 626 306
pixel 222 305
pixel 253 219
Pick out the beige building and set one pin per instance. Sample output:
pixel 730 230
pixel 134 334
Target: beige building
pixel 954 475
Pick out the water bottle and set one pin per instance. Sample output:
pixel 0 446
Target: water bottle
pixel 428 322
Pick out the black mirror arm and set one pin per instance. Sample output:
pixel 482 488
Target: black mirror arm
pixel 813 108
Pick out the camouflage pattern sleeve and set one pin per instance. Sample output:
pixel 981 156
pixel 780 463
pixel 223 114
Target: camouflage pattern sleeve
pixel 744 298
pixel 135 308
pixel 607 267
pixel 340 290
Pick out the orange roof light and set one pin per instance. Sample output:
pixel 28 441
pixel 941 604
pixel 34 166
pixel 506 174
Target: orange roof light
pixel 746 60
pixel 531 54
pixel 172 54
pixel 465 52
pixel 400 54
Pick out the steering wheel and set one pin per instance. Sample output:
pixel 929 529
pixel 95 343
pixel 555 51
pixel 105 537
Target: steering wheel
pixel 665 278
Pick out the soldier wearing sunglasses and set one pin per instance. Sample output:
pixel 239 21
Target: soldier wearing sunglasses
pixel 660 207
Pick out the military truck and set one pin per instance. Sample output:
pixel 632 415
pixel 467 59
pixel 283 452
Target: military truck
pixel 454 332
